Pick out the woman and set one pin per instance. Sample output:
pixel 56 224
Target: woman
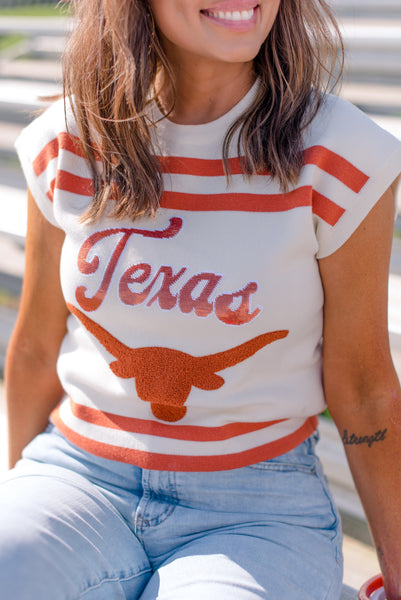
pixel 199 214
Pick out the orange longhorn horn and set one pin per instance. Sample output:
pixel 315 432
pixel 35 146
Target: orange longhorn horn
pixel 112 344
pixel 233 356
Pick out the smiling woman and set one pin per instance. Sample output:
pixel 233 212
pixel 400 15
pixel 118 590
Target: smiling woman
pixel 202 214
pixel 175 54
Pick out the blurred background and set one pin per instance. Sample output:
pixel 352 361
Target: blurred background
pixel 32 37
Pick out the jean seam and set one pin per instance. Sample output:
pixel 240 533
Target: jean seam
pixel 337 539
pixel 115 579
pixel 154 521
pixel 282 467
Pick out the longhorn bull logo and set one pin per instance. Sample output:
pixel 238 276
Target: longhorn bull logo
pixel 164 376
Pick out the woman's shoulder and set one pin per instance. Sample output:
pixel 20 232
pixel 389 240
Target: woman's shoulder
pixel 345 129
pixel 39 145
pixel 336 112
pixel 57 119
pixel 350 161
pixel 48 148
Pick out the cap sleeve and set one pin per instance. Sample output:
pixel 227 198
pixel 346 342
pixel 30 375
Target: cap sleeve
pixel 361 160
pixel 38 148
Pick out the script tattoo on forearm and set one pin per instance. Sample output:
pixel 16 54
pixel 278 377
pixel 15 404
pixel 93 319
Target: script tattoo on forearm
pixel 356 440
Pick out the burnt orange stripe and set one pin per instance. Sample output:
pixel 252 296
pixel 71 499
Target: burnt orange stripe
pixel 49 152
pixel 166 462
pixel 72 183
pixel 326 160
pixel 337 166
pixel 326 209
pixel 176 432
pixel 200 167
pixel 301 196
pixel 63 141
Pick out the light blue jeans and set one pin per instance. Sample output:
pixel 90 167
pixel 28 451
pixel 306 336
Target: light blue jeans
pixel 73 525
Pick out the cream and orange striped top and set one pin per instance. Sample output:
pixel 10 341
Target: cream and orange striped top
pixel 193 341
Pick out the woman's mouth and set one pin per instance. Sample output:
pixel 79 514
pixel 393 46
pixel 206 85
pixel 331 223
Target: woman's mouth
pixel 237 20
pixel 235 15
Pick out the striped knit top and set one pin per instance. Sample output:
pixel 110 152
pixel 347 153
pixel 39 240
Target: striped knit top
pixel 194 339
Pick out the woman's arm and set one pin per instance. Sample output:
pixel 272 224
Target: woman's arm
pixel 362 389
pixel 32 385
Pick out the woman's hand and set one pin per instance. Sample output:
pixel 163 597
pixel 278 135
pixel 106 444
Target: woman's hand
pixel 32 385
pixel 362 389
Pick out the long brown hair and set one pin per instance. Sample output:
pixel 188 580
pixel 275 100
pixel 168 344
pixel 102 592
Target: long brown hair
pixel 110 68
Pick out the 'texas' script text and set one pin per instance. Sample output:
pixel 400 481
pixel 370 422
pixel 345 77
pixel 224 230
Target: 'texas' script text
pixel 194 294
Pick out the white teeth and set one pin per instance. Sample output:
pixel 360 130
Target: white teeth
pixel 236 15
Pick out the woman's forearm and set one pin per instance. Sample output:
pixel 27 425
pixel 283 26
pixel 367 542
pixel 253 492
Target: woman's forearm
pixel 372 440
pixel 32 391
pixel 361 387
pixel 32 385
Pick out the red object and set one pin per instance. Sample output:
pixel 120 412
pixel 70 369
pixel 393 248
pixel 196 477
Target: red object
pixel 370 586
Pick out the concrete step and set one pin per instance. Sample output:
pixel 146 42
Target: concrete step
pixel 20 99
pixel 374 98
pixel 368 8
pixel 35 26
pixel 373 50
pixel 48 44
pixel 8 134
pixel 11 174
pixel 8 318
pixel 43 70
pixel 395 265
pixel 389 123
pixel 360 561
pixel 380 35
pixel 13 212
pixel 374 66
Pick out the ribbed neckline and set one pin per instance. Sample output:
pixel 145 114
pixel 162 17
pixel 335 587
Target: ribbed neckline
pixel 211 130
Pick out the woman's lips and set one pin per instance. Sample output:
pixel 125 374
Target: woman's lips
pixel 237 20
